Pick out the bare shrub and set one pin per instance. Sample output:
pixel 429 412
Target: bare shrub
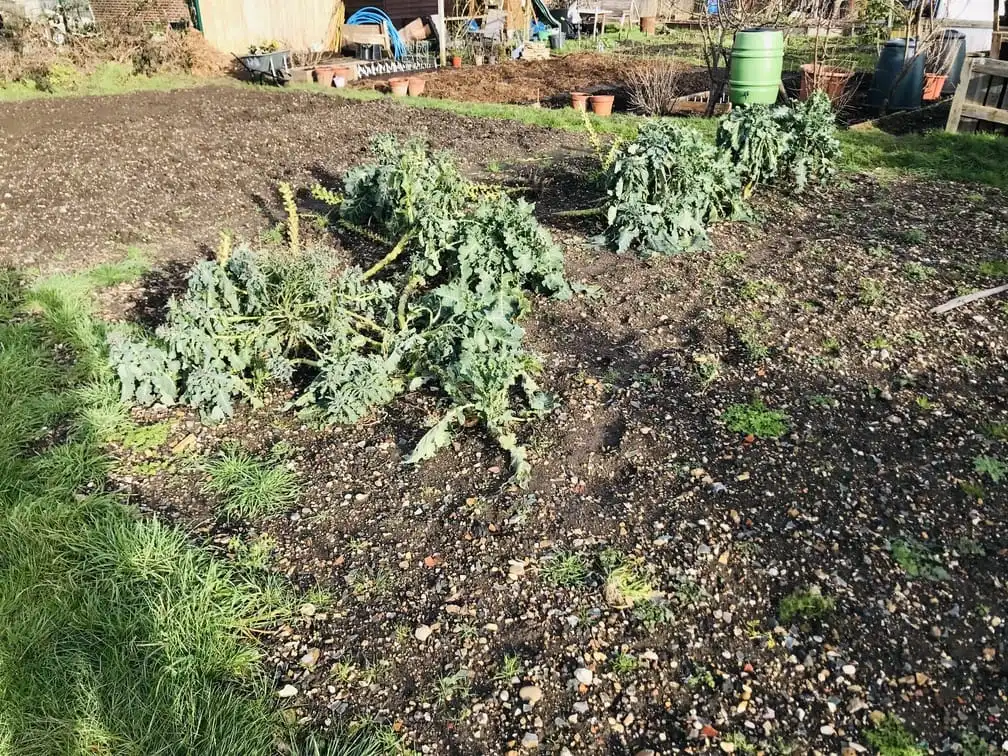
pixel 652 87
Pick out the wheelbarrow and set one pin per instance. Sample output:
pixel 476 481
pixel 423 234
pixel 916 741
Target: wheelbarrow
pixel 272 66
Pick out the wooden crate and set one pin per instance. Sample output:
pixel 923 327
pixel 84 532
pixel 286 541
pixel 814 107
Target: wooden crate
pixel 697 103
pixel 982 95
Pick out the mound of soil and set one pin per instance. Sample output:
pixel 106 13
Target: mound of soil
pixel 545 81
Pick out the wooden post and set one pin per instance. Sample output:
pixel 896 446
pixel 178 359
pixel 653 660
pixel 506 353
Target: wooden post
pixel 995 28
pixel 442 33
pixel 955 112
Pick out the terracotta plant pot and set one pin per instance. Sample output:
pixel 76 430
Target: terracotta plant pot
pixel 647 25
pixel 830 79
pixel 416 86
pixel 324 75
pixel 933 84
pixel 601 105
pixel 579 101
pixel 456 61
pixel 399 86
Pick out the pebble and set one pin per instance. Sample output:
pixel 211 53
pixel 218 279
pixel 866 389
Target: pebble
pixel 422 633
pixel 827 730
pixel 727 746
pixel 287 691
pixel 849 669
pixel 311 658
pixel 530 740
pixel 581 707
pixel 530 693
pixel 584 675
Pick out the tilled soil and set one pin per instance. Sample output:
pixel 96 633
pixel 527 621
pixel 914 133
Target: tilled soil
pixel 416 585
pixel 81 178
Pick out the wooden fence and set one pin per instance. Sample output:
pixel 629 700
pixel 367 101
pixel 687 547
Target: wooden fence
pixel 982 94
pixel 234 25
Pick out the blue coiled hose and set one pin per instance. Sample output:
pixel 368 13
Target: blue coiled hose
pixel 372 15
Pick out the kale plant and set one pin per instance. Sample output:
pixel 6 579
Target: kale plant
pixel 755 141
pixel 791 145
pixel 665 187
pixel 813 148
pixel 440 309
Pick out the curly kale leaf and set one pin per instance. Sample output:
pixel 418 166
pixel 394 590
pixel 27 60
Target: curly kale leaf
pixel 146 372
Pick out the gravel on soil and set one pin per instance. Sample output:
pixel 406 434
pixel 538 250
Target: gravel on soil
pixel 632 601
pixel 81 178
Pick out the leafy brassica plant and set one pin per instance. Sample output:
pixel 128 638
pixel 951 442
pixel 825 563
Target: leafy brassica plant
pixel 664 188
pixel 440 309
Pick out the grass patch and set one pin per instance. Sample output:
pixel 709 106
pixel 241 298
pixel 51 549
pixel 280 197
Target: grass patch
pixel 106 79
pixel 805 606
pixel 626 580
pixel 993 269
pixel 755 419
pixel 890 738
pixel 565 568
pixel 970 158
pixel 118 636
pixel 248 487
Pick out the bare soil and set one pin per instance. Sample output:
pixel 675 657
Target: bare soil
pixel 819 309
pixel 545 81
pixel 80 178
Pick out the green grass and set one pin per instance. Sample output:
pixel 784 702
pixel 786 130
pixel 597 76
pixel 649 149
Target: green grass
pixel 565 569
pixel 107 79
pixel 970 158
pixel 248 487
pixel 993 269
pixel 890 738
pixel 806 606
pixel 118 636
pixel 755 419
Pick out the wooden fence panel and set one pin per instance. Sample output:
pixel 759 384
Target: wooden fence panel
pixel 982 94
pixel 234 25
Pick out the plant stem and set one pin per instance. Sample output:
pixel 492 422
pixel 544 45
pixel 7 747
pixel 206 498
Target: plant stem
pixel 390 257
pixel 583 213
pixel 360 231
pixel 407 290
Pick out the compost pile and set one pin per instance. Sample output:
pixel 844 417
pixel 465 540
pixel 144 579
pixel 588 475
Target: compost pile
pixel 440 310
pixel 666 186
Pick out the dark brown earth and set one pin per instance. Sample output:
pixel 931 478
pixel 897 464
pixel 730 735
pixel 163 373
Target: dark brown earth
pixel 820 309
pixel 546 81
pixel 82 178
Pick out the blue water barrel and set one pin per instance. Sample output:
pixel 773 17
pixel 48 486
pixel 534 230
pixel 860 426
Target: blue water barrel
pixel 902 89
pixel 712 7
